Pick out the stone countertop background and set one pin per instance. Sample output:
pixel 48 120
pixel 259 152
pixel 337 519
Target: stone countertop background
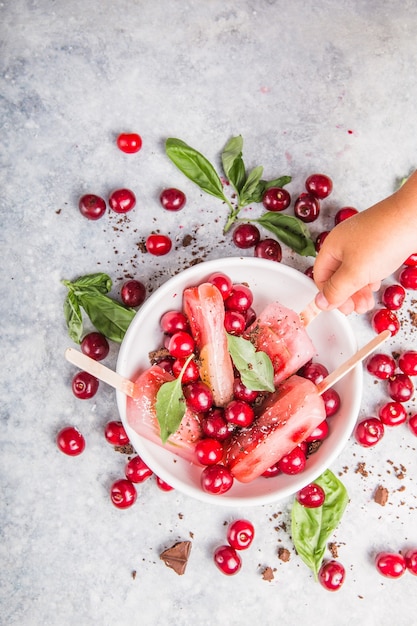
pixel 326 86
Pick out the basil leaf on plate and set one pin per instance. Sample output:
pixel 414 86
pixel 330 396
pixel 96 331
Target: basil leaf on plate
pixel 170 405
pixel 73 317
pixel 312 527
pixel 290 230
pixel 255 368
pixel 195 166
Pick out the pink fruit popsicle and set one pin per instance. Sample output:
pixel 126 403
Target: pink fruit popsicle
pixel 141 415
pixel 204 308
pixel 280 332
pixel 287 417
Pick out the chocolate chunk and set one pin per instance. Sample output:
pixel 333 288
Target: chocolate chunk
pixel 268 574
pixel 381 495
pixel 176 557
pixel 284 554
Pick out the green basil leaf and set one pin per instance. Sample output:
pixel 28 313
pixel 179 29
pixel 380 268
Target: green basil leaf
pixel 250 185
pixel 195 166
pixel 290 230
pixel 263 185
pixel 312 527
pixel 170 405
pixel 255 368
pixel 73 317
pixel 232 162
pixel 99 282
pixel 109 317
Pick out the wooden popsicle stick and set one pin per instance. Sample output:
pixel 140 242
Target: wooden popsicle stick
pixel 100 371
pixel 356 358
pixel 308 314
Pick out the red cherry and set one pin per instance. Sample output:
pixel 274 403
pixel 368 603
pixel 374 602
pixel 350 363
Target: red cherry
pixel 162 485
pixel 320 240
pixel 344 214
pixel 412 424
pixel 133 293
pixel 181 344
pixel 240 534
pixel 384 319
pixel 91 206
pixel 408 277
pixel 95 345
pixel 216 479
pixel 172 199
pixel 173 321
pixel 158 245
pixel 307 207
pixel 311 496
pixel 381 365
pixel 234 322
pixel 393 297
pixel 272 471
pixel 369 431
pixel 319 433
pixel 122 200
pixel 411 260
pixel 331 575
pixel 129 142
pixel 222 282
pixel 191 372
pixel 392 414
pixel 294 462
pixel 137 471
pixel 246 236
pixel 241 392
pixel 390 564
pixel 70 441
pixel 123 493
pixel 400 387
pixel 239 413
pixel 319 185
pixel 276 199
pixel 407 362
pixel 84 385
pixel 269 249
pixel 209 451
pixel 240 299
pixel 315 372
pixel 215 426
pixel 411 561
pixel 331 401
pixel 115 433
pixel 227 560
pixel 198 396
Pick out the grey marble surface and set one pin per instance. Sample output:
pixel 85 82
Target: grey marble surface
pixel 326 86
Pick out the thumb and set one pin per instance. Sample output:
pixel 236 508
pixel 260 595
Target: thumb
pixel 339 288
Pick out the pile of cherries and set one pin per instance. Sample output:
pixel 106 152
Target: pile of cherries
pixel 240 534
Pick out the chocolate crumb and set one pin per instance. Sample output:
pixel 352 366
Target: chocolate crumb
pixel 313 446
pixel 126 449
pixel 187 240
pixel 284 554
pixel 134 574
pixel 333 549
pixel 361 469
pixel 381 495
pixel 268 574
pixel 176 557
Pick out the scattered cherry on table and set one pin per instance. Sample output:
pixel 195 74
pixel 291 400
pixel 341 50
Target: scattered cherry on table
pixel 133 293
pixel 390 564
pixel 158 245
pixel 129 142
pixel 331 575
pixel 122 200
pixel 311 496
pixel 115 433
pixel 319 185
pixel 123 493
pixel 269 249
pixel 91 206
pixel 70 441
pixel 172 199
pixel 240 534
pixel 84 385
pixel 276 199
pixel 95 345
pixel 369 431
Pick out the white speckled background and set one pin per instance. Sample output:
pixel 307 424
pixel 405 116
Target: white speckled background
pixel 328 86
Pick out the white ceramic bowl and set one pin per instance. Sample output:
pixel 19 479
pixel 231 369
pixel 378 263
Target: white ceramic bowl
pixel 330 333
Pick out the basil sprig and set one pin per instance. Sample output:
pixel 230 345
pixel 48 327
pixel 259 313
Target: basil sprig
pixel 108 316
pixel 311 527
pixel 249 186
pixel 255 368
pixel 170 404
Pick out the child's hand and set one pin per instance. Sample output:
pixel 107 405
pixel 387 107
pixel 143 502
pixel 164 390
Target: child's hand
pixel 364 249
